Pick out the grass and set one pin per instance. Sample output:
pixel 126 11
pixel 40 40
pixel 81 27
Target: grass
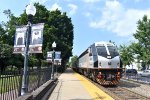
pixel 11 82
pixel 8 83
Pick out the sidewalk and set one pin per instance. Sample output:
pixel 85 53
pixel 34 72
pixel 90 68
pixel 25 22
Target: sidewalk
pixel 72 86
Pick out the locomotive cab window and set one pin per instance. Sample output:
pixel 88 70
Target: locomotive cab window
pixel 89 51
pixel 101 50
pixel 113 51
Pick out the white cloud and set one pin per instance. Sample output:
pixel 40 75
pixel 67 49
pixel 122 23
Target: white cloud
pixel 88 14
pixel 40 1
pixel 119 20
pixel 56 6
pixel 91 1
pixel 73 9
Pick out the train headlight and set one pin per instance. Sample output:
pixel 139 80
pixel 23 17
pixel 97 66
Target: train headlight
pixel 118 73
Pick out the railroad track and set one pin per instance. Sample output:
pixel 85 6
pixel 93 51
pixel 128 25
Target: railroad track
pixel 125 94
pixel 120 93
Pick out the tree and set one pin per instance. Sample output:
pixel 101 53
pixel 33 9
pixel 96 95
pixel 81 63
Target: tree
pixel 74 61
pixel 5 54
pixel 142 35
pixel 8 58
pixel 3 36
pixel 57 27
pixel 16 60
pixel 126 54
pixel 10 27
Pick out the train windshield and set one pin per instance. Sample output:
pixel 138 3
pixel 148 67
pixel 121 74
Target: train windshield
pixel 113 51
pixel 101 51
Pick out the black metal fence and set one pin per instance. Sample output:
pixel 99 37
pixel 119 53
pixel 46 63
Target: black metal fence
pixel 11 81
pixel 37 77
pixel 10 84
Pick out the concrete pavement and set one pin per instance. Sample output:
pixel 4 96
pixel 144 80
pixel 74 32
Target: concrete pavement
pixel 72 86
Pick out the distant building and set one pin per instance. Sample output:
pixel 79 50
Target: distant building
pixel 135 65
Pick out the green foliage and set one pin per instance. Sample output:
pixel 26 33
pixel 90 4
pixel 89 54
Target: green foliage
pixel 5 51
pixel 142 35
pixel 5 55
pixel 44 63
pixel 126 54
pixel 3 36
pixel 74 61
pixel 58 27
pixel 8 58
pixel 33 61
pixel 16 60
pixel 141 48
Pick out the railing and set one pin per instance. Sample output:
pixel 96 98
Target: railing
pixel 37 77
pixel 10 84
pixel 11 81
pixel 137 77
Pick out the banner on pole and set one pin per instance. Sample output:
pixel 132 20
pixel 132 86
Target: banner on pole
pixel 57 57
pixel 57 60
pixel 19 42
pixel 49 56
pixel 36 39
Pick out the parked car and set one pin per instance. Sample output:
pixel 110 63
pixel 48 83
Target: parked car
pixel 145 73
pixel 131 71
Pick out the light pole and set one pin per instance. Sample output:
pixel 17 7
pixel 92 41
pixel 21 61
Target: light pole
pixel 53 57
pixel 30 11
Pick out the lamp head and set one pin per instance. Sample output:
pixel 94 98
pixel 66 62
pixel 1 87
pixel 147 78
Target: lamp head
pixel 54 45
pixel 30 9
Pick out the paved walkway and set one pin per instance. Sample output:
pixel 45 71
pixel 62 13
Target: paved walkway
pixel 72 86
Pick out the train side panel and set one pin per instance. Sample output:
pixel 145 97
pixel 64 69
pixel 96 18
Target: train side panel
pixel 83 61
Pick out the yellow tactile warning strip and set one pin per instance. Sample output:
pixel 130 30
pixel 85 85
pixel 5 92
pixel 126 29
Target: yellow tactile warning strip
pixel 94 91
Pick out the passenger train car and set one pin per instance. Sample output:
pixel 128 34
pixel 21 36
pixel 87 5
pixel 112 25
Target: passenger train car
pixel 101 62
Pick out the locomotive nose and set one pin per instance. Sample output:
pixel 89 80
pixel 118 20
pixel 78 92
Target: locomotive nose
pixel 109 63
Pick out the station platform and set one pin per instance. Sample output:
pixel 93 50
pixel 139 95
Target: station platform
pixel 73 86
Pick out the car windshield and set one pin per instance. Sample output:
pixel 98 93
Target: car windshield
pixel 101 50
pixel 112 50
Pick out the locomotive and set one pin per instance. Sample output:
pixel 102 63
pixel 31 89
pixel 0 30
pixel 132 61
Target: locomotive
pixel 101 62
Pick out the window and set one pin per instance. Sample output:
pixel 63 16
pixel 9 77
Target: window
pixel 93 50
pixel 101 50
pixel 113 52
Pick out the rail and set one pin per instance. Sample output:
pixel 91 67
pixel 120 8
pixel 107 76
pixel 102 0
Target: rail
pixel 118 92
pixel 137 78
pixel 10 84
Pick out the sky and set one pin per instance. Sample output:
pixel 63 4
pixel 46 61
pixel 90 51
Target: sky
pixel 93 20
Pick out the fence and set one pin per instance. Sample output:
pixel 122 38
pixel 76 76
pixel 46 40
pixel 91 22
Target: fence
pixel 137 77
pixel 37 77
pixel 11 81
pixel 10 84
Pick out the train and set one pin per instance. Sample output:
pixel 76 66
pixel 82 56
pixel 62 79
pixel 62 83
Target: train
pixel 100 62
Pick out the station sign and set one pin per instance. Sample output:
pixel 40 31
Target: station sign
pixel 36 38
